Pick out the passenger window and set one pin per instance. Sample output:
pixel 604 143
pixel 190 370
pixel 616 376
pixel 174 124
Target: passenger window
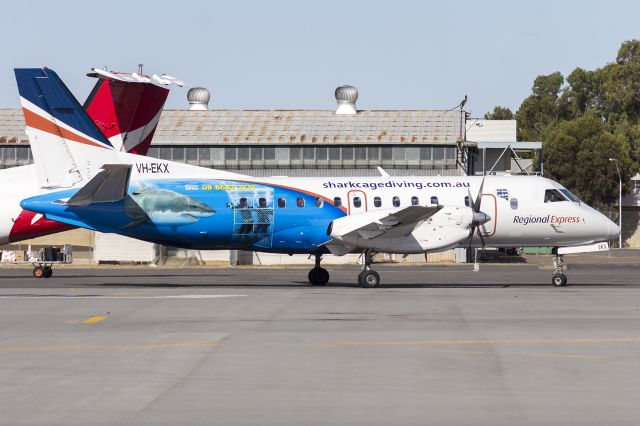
pixel 466 201
pixel 300 202
pixel 514 203
pixel 337 202
pixel 357 202
pixel 415 201
pixel 319 202
pixel 434 200
pixel 553 196
pixel 396 201
pixel 262 203
pixel 282 203
pixel 377 201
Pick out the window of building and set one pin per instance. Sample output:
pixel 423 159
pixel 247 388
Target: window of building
pixel 282 202
pixel 415 201
pixel 256 153
pixel 553 196
pixel 360 153
pixel 357 202
pixel 396 201
pixel 308 153
pixel 217 154
pixel 204 154
pixel 387 153
pixel 321 153
pixel 425 153
pixel 347 153
pixel 319 202
pixel 230 153
pixel 22 153
pixel 434 200
pixel 438 153
pixel 295 153
pixel 153 152
pixel 269 153
pixel 191 154
pixel 399 153
pixel 334 153
pixel 514 203
pixel 450 153
pixel 178 153
pixel 337 201
pixel 373 153
pixel 300 202
pixel 165 153
pixel 377 201
pixel 282 154
pixel 244 153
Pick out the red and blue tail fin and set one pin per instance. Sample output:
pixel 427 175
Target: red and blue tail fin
pixel 67 145
pixel 50 107
pixel 126 112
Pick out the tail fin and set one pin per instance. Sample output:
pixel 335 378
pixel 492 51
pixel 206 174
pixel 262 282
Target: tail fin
pixel 56 124
pixel 126 112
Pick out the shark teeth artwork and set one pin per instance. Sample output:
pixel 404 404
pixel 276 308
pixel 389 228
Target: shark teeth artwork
pixel 163 207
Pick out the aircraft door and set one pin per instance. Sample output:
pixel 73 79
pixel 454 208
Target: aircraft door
pixel 489 205
pixel 357 201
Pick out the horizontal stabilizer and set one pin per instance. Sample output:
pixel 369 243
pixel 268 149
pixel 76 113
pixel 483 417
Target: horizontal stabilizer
pixel 109 185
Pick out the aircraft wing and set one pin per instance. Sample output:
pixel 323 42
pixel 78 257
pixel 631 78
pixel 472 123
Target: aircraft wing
pixel 110 184
pixel 397 223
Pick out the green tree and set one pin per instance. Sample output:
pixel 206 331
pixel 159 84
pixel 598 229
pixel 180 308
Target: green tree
pixel 499 113
pixel 577 155
pixel 542 109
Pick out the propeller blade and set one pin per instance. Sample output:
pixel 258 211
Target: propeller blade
pixel 476 204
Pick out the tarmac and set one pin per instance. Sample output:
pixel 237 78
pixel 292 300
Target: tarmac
pixel 432 345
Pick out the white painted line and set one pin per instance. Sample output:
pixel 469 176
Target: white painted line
pixel 79 296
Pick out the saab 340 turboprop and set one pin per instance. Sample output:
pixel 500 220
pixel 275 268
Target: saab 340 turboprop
pixel 193 207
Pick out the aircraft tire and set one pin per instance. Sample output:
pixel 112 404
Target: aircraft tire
pixel 318 276
pixel 369 279
pixel 559 280
pixel 48 272
pixel 38 272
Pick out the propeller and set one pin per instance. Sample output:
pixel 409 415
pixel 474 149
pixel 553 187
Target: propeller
pixel 479 218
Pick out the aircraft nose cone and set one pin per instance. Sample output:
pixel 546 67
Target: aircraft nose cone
pixel 613 231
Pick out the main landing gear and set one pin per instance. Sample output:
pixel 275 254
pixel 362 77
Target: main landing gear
pixel 558 279
pixel 368 277
pixel 318 275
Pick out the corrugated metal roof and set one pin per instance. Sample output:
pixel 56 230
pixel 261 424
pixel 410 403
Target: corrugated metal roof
pixel 12 126
pixel 227 127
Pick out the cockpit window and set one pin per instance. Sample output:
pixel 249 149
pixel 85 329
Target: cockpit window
pixel 569 195
pixel 553 195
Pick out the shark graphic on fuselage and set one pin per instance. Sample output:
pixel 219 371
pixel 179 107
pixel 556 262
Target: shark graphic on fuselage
pixel 163 207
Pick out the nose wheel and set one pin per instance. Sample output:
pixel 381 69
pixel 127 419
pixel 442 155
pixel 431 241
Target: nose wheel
pixel 318 275
pixel 559 278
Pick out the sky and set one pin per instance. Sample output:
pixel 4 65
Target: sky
pixel 293 54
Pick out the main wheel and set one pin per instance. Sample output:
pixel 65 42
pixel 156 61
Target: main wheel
pixel 48 272
pixel 318 276
pixel 369 278
pixel 559 280
pixel 38 272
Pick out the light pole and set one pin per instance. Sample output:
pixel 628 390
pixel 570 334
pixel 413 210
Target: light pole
pixel 619 201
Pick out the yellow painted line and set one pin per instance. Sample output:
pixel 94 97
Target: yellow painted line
pixel 163 345
pixel 452 351
pixel 442 342
pixel 95 319
pixel 570 356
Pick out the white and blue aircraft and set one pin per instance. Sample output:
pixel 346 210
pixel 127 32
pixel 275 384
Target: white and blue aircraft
pixel 193 207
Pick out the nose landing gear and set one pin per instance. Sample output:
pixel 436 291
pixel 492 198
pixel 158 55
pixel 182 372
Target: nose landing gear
pixel 318 275
pixel 368 277
pixel 558 279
